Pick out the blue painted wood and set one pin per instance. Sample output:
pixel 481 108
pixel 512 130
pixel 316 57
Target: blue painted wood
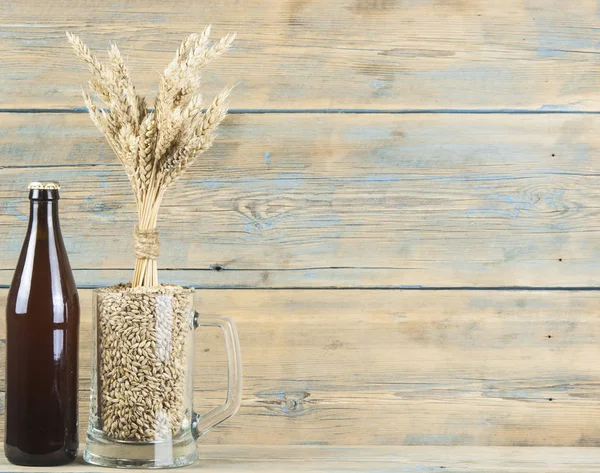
pixel 393 367
pixel 274 278
pixel 336 200
pixel 449 146
pixel 348 54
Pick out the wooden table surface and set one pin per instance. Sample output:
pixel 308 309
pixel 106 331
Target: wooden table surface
pixel 400 214
pixel 259 459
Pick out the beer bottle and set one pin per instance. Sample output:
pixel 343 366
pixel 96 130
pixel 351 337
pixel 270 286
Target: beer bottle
pixel 42 332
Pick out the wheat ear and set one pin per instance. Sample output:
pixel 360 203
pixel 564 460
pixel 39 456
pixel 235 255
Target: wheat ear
pixel 154 147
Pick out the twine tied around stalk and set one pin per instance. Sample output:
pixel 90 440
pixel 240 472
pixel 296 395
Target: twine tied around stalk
pixel 145 243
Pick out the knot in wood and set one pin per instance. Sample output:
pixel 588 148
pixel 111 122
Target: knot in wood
pixel 145 243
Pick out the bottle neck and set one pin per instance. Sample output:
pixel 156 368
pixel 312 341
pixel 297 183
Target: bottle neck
pixel 43 262
pixel 43 210
pixel 43 216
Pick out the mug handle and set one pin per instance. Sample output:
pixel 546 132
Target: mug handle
pixel 202 424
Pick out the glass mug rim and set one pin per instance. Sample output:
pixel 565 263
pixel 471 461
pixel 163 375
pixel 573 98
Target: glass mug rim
pixel 173 289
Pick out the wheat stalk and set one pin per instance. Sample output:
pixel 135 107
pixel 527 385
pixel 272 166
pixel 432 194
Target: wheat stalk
pixel 155 147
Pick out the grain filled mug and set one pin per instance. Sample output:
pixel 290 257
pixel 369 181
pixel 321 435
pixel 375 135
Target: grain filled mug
pixel 141 405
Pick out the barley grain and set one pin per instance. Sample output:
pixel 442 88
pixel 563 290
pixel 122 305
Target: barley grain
pixel 148 393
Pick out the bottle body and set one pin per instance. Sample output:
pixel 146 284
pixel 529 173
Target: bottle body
pixel 42 325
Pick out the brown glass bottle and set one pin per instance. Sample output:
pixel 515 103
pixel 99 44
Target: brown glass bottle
pixel 42 323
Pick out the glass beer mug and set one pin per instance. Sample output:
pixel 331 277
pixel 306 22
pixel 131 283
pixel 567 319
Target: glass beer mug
pixel 141 394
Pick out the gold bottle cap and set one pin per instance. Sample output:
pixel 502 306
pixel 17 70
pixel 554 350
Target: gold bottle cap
pixel 44 185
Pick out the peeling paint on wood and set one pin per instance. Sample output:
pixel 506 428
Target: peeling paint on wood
pixel 492 200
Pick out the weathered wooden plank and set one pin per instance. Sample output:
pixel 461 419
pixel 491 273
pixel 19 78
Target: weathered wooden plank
pixel 383 54
pixel 211 278
pixel 430 200
pixel 381 367
pixel 320 459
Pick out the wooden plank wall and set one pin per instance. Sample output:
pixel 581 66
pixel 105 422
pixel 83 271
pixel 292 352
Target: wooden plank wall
pixel 400 212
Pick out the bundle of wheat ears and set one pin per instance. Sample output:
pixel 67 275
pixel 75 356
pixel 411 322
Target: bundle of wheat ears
pixel 154 146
